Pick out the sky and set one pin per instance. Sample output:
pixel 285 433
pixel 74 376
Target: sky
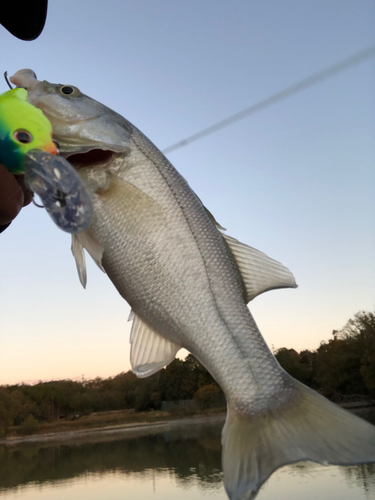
pixel 296 180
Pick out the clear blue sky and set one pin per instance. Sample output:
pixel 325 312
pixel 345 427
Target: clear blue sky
pixel 295 181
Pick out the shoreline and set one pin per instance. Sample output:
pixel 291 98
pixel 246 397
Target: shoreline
pixel 110 431
pixel 131 429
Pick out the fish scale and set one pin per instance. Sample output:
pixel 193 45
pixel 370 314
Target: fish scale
pixel 188 284
pixel 223 278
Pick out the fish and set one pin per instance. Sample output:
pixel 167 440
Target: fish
pixel 188 284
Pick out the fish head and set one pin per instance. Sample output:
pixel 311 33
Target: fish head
pixel 86 131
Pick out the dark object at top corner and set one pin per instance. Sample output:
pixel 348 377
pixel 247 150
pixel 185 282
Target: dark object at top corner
pixel 25 19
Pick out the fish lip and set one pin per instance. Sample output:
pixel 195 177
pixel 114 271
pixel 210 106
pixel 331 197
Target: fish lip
pixel 89 158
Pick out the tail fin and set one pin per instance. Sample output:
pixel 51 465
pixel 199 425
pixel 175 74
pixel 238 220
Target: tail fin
pixel 308 428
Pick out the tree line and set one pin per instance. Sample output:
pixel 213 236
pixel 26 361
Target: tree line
pixel 23 404
pixel 342 366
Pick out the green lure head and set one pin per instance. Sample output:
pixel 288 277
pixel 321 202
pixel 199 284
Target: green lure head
pixel 22 127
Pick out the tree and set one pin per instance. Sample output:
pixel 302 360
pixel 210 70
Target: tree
pixel 361 330
pixel 298 367
pixel 346 363
pixel 30 425
pixel 172 378
pixel 209 396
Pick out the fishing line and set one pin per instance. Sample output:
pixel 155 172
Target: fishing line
pixel 277 97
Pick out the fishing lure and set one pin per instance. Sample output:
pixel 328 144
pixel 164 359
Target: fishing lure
pixel 22 127
pixel 61 190
pixel 27 147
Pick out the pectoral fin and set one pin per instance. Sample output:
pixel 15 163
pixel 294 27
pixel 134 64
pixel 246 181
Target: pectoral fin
pixel 139 205
pixel 149 351
pixel 259 272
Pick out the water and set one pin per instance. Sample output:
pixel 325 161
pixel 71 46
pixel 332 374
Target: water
pixel 174 461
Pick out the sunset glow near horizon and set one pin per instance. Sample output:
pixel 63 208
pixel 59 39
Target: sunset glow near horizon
pixel 296 180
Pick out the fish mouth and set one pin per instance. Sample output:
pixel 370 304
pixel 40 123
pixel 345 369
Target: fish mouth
pixel 92 157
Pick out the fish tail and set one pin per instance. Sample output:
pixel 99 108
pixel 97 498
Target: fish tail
pixel 307 427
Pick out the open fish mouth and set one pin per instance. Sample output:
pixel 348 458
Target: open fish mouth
pixel 92 157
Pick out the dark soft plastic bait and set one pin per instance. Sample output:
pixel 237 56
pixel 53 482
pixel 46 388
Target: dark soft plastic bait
pixel 61 190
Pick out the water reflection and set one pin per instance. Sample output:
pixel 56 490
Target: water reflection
pixel 363 476
pixel 189 451
pixel 184 460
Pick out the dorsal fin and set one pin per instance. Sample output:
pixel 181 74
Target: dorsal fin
pixel 259 272
pixel 215 222
pixel 149 352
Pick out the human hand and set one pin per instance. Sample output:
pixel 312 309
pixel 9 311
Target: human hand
pixel 13 195
pixel 26 22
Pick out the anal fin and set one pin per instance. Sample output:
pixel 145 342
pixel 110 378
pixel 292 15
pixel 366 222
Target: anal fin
pixel 150 351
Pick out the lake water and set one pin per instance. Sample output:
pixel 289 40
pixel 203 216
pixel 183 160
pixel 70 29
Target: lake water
pixel 175 461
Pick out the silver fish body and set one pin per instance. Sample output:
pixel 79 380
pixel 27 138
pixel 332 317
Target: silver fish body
pixel 188 285
pixel 192 292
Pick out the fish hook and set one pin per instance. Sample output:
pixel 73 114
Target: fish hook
pixel 35 203
pixel 6 79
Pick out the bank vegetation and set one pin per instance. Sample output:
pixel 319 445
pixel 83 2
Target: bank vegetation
pixel 342 369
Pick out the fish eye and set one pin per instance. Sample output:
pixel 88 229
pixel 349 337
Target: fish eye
pixel 69 90
pixel 23 136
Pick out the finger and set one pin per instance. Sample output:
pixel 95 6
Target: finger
pixel 11 196
pixel 27 194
